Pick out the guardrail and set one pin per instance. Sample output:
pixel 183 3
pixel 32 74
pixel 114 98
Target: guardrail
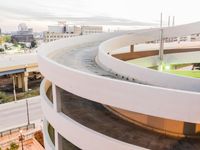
pixel 15 139
pixel 17 129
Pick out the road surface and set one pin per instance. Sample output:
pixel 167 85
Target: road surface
pixel 14 114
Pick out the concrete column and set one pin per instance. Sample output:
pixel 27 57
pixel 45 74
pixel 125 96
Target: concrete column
pixel 15 80
pixel 58 141
pixel 161 50
pixel 47 141
pixel 57 107
pixel 14 84
pixel 19 81
pixel 56 98
pixel 131 48
pixel 25 81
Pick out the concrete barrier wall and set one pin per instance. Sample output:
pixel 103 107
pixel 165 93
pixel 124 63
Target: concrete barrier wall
pixel 150 100
pixel 145 99
pixel 78 134
pixel 47 142
pixel 145 75
pixel 165 126
pixel 179 58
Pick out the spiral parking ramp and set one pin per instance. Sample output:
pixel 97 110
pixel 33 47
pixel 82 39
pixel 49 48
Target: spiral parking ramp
pixel 93 100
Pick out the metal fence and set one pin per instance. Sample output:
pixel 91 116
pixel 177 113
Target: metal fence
pixel 17 129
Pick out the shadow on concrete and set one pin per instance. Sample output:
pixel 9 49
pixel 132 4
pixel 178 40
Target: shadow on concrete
pixel 96 117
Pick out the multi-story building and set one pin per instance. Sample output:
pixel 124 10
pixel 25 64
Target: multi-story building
pixel 24 34
pixel 91 29
pixel 61 31
pixel 52 36
pixel 93 100
pixel 66 31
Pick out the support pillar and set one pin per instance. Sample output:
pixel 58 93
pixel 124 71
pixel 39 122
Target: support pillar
pixel 56 98
pixel 14 91
pixel 161 50
pixel 57 103
pixel 19 81
pixel 14 76
pixel 131 48
pixel 58 141
pixel 25 81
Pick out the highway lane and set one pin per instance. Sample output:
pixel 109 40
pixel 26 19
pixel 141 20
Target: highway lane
pixel 14 114
pixel 17 60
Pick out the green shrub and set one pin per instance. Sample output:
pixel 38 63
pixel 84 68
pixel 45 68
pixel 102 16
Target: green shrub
pixel 13 146
pixel 4 98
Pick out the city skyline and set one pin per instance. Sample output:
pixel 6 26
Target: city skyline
pixel 40 14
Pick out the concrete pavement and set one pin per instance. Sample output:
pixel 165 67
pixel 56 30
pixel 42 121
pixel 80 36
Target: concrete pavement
pixel 14 114
pixel 96 117
pixel 17 60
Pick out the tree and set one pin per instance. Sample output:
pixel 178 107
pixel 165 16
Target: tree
pixel 5 46
pixel 7 38
pixel 1 40
pixel 13 146
pixel 3 98
pixel 33 44
pixel 1 50
pixel 14 41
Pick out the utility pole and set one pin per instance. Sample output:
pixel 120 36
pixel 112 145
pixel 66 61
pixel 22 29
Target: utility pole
pixel 173 22
pixel 27 112
pixel 169 21
pixel 161 50
pixel 161 16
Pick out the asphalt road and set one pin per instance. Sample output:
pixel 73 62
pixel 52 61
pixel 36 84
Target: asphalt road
pixel 14 114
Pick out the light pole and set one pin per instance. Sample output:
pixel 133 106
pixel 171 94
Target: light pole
pixel 27 112
pixel 161 50
pixel 161 39
pixel 173 22
pixel 21 139
pixel 169 21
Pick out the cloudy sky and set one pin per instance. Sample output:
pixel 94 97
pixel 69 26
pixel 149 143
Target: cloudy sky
pixel 41 13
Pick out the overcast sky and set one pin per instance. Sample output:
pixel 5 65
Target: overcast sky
pixel 41 13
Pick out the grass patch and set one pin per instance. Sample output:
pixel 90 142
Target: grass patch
pixel 28 94
pixel 5 97
pixel 187 73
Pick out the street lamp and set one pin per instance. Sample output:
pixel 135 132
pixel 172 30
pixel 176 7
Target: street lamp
pixel 161 50
pixel 27 112
pixel 21 139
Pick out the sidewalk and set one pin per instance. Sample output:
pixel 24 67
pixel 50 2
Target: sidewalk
pixel 30 143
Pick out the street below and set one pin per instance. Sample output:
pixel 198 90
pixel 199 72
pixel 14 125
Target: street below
pixel 14 114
